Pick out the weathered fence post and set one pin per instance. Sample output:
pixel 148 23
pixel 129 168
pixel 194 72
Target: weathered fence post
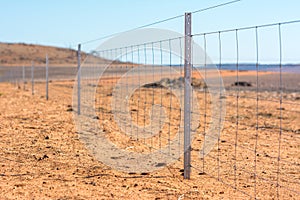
pixel 78 78
pixel 10 78
pixel 47 79
pixel 187 95
pixel 32 78
pixel 16 78
pixel 23 77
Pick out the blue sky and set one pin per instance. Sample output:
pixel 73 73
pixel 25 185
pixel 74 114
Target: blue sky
pixel 66 23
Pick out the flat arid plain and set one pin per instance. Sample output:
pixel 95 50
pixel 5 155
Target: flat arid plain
pixel 42 156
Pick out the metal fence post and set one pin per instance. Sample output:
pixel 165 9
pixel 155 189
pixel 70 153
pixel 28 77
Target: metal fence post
pixel 16 78
pixel 187 95
pixel 32 78
pixel 47 79
pixel 78 78
pixel 23 76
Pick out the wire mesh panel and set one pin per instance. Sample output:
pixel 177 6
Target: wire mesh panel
pixel 133 102
pixel 133 98
pixel 257 150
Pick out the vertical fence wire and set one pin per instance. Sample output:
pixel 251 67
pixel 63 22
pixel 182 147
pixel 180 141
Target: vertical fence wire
pixel 280 110
pixel 205 102
pixel 47 78
pixel 79 79
pixel 257 109
pixel 139 91
pixel 171 86
pixel 132 61
pixel 181 92
pixel 220 101
pixel 153 93
pixel 32 78
pixel 237 109
pixel 126 82
pixel 161 91
pixel 145 92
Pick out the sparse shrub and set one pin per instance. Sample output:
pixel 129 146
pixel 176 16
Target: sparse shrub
pixel 268 115
pixel 22 58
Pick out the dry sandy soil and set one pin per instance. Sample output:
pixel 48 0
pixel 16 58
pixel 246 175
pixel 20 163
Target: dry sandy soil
pixel 42 157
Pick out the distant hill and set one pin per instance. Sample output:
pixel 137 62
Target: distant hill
pixel 18 54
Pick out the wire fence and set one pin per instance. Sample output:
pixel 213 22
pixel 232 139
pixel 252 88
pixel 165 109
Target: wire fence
pixel 140 106
pixel 257 149
pixel 46 68
pixel 244 105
